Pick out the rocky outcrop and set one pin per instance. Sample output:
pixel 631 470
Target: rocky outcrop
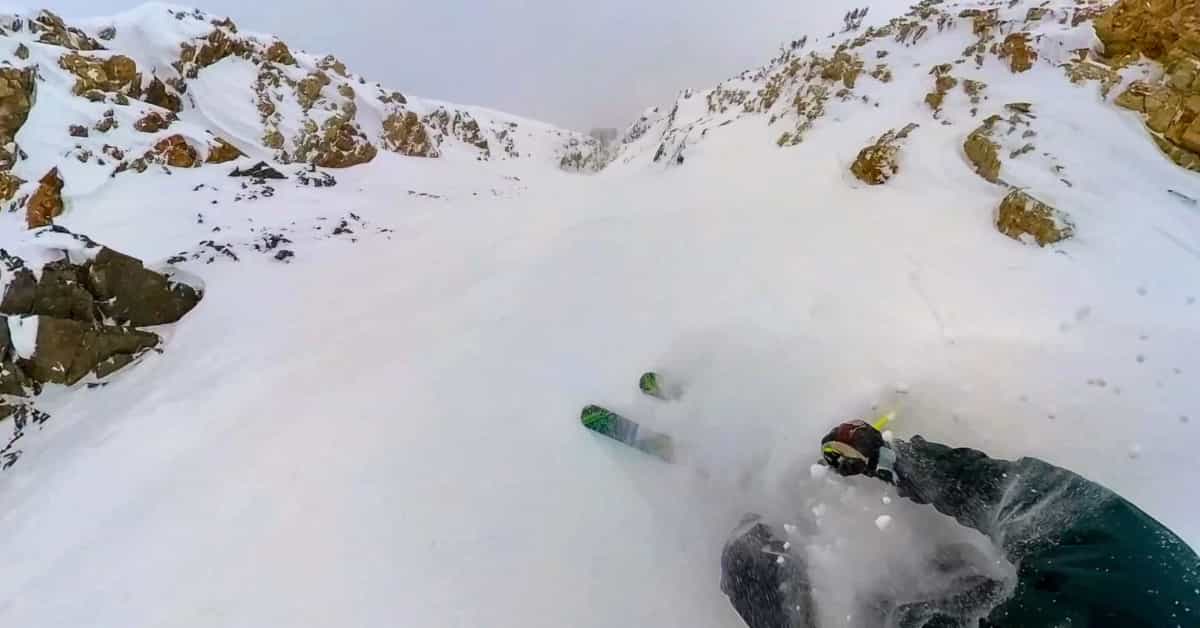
pixel 130 294
pixel 1149 27
pixel 152 122
pixel 47 202
pixel 279 52
pixel 942 85
pixel 116 74
pixel 403 133
pixel 461 126
pixel 82 317
pixel 69 350
pixel 220 152
pixel 174 151
pixel 16 99
pixel 1167 31
pixel 983 153
pixel 339 143
pixel 157 93
pixel 1083 71
pixel 56 33
pixel 308 89
pixel 330 63
pixel 9 184
pixel 877 162
pixel 1019 52
pixel 221 43
pixel 1025 218
pixel 844 67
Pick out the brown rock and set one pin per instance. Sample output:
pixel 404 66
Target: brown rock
pixel 217 46
pixel 60 293
pixel 16 99
pixel 942 86
pixel 1135 96
pixel 877 162
pixel 129 293
pixel 68 350
pixel 117 74
pixel 221 152
pixel 9 184
pixel 273 139
pixel 1149 27
pixel 844 67
pixel 107 123
pixel 47 202
pixel 158 94
pixel 176 152
pixel 57 33
pixel 78 130
pixel 403 133
pixel 1087 71
pixel 152 122
pixel 1020 215
pixel 22 52
pixel 1016 48
pixel 331 64
pixel 308 89
pixel 983 153
pixel 278 52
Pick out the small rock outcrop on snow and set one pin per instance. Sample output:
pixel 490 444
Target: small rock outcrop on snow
pixel 79 312
pixel 1022 217
pixel 876 163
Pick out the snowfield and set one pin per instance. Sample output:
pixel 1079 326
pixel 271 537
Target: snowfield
pixel 383 429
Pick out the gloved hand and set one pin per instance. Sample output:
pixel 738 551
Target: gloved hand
pixel 855 447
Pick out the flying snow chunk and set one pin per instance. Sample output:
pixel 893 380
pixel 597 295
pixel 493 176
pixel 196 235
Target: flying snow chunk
pixel 24 332
pixel 818 471
pixel 883 522
pixel 888 436
pixel 886 500
pixel 1135 451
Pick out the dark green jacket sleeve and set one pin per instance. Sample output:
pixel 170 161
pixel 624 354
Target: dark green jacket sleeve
pixel 1084 555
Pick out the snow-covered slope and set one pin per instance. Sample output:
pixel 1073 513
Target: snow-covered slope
pixel 163 84
pixel 382 429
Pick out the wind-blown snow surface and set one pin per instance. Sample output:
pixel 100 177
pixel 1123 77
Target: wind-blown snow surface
pixel 385 431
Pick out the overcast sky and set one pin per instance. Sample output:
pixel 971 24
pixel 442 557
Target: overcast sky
pixel 576 64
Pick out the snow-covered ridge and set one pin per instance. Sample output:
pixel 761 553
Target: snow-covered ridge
pixel 819 82
pixel 164 85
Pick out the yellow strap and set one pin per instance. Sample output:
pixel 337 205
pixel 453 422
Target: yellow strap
pixel 882 422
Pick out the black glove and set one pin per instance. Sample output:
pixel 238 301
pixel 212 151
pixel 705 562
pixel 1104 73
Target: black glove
pixel 855 447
